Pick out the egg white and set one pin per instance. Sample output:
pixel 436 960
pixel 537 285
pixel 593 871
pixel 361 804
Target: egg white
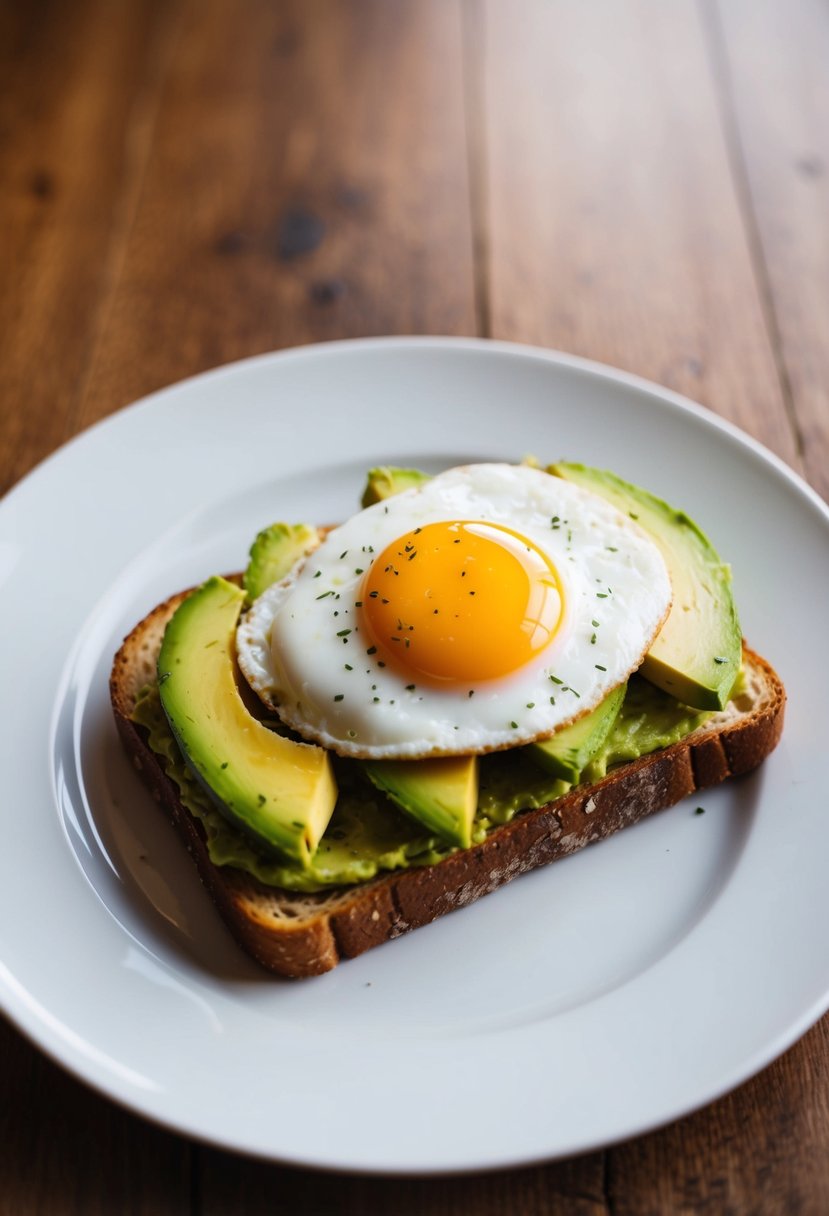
pixel 302 649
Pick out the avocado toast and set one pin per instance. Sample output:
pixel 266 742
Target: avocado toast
pixel 363 850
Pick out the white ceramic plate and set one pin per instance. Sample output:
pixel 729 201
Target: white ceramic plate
pixel 584 1003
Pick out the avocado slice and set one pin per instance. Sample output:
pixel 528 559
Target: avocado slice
pixel 442 793
pixel 274 552
pixel 697 654
pixel 567 753
pixel 387 481
pixel 280 792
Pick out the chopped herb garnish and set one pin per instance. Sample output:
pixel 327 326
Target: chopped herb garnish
pixel 343 554
pixel 224 765
pixel 348 667
pixel 340 696
pixel 318 573
pixel 592 639
pixel 471 692
pixel 700 810
pixel 599 667
pixel 324 594
pixel 372 650
pixel 358 570
pixel 719 659
pixel 514 725
pixel 261 799
pixel 410 688
pixel 595 624
pixel 601 595
pixel 556 680
pixel 531 705
pixel 343 633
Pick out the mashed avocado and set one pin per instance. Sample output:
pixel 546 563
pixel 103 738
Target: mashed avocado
pixel 368 835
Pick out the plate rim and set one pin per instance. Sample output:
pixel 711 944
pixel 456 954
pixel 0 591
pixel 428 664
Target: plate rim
pixel 16 1006
pixel 333 346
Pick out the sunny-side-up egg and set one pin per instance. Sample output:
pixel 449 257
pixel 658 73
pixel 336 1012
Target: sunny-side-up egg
pixel 479 611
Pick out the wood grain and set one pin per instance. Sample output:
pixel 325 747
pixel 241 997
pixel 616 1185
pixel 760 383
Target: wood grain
pixel 761 1150
pixel 619 227
pixel 75 83
pixel 308 181
pixel 569 1188
pixel 614 224
pixel 195 181
pixel 776 80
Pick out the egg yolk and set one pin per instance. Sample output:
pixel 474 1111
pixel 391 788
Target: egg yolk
pixel 461 600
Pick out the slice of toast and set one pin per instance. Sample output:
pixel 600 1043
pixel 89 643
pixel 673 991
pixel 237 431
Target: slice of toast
pixel 302 935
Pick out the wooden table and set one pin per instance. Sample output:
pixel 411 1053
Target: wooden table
pixel 186 182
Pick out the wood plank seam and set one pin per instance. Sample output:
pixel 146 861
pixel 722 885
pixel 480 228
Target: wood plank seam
pixel 724 84
pixel 138 144
pixel 475 120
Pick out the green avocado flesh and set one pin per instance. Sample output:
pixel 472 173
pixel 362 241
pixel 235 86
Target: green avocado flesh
pixel 442 794
pixel 570 750
pixel 697 654
pixel 698 651
pixel 369 835
pixel 297 817
pixel 280 792
pixel 386 481
pixel 273 554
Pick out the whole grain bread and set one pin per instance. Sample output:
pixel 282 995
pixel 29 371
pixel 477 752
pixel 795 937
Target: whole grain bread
pixel 302 935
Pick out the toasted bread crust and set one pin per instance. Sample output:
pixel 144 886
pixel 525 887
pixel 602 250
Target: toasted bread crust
pixel 303 935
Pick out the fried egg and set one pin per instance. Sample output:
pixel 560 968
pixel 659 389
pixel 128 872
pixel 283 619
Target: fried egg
pixel 480 611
